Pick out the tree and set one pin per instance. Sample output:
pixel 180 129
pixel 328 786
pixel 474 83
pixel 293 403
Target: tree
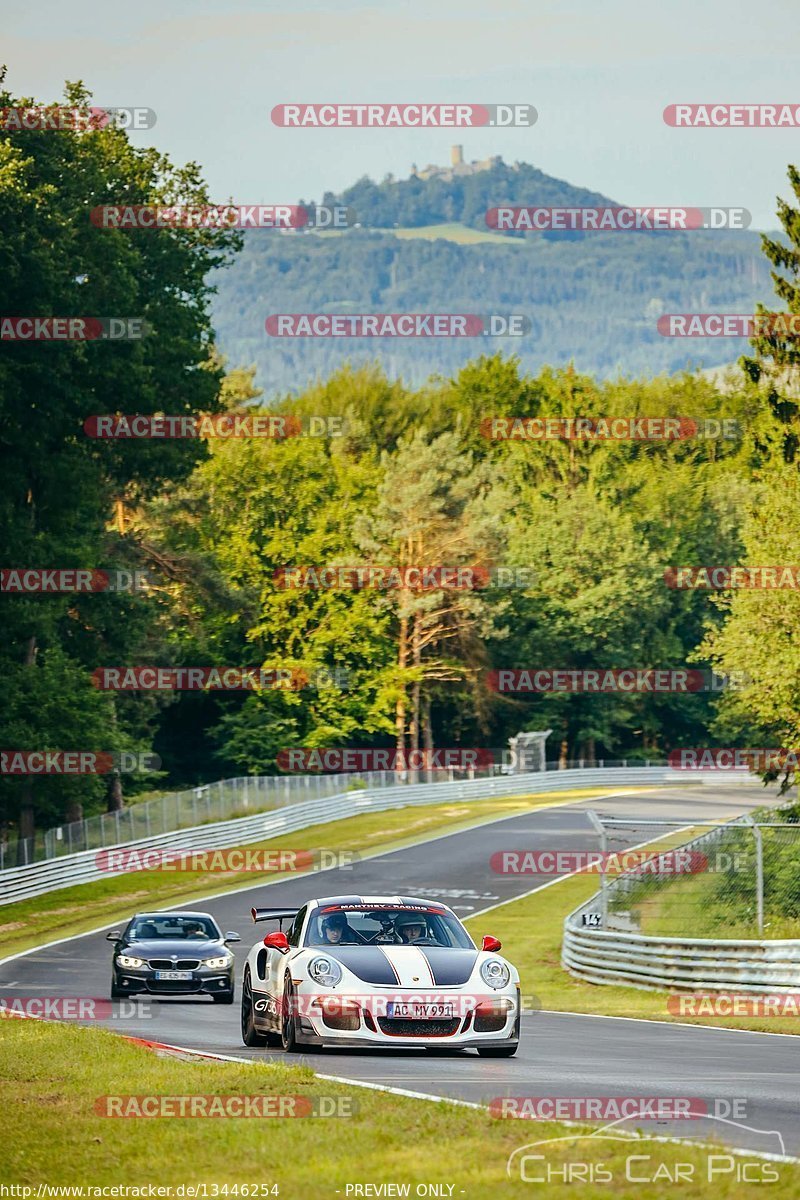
pixel 67 497
pixel 432 510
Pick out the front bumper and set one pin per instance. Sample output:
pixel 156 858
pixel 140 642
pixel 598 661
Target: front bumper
pixel 492 1022
pixel 208 983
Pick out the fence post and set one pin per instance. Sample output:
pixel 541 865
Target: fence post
pixel 601 829
pixel 748 820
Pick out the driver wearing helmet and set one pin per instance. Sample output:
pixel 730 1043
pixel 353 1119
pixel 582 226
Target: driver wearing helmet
pixel 410 928
pixel 336 930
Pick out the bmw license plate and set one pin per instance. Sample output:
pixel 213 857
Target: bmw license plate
pixel 418 1011
pixel 173 974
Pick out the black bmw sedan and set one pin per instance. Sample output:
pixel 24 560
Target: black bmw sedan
pixel 172 954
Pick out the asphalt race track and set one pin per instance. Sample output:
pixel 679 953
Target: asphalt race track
pixel 560 1054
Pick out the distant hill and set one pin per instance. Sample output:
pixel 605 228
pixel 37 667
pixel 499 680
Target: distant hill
pixel 592 298
pixel 462 198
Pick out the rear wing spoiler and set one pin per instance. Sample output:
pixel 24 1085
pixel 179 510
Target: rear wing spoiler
pixel 274 914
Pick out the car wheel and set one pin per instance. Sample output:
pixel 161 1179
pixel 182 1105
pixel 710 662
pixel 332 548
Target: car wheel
pixel 222 997
pixel 288 1025
pixel 498 1051
pixel 250 1035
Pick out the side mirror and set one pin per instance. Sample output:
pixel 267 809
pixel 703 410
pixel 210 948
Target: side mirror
pixel 114 936
pixel 491 944
pixel 231 936
pixel 277 941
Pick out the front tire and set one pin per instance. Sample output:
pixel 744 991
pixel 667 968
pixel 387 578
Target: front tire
pixel 223 998
pixel 250 1035
pixel 288 1026
pixel 498 1051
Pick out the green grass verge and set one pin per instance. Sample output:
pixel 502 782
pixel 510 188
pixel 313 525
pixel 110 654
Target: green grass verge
pixel 53 1074
pixel 68 911
pixel 699 902
pixel 452 231
pixel 531 931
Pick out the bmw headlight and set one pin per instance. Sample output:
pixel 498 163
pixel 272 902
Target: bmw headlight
pixel 325 970
pixel 217 964
pixel 126 960
pixel 495 973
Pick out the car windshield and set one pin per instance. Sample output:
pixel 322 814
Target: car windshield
pixel 174 928
pixel 385 925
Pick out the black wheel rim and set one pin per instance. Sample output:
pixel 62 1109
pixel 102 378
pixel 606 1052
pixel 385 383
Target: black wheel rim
pixel 287 1020
pixel 247 1007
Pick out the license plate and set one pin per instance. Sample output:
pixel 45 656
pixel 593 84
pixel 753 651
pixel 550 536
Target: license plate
pixel 416 1011
pixel 173 974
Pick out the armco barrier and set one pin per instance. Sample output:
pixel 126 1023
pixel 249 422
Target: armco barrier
pixel 614 956
pixel 694 964
pixel 21 883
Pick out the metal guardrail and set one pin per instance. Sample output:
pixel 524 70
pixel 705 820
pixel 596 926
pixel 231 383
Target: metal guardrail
pixel 695 964
pixel 228 798
pixel 650 963
pixel 22 883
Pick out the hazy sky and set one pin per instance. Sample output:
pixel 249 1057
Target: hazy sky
pixel 599 72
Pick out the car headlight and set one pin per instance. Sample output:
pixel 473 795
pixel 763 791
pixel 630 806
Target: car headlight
pixel 325 970
pixel 495 973
pixel 126 960
pixel 217 964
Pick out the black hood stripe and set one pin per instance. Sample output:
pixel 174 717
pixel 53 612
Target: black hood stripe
pixel 449 967
pixel 366 962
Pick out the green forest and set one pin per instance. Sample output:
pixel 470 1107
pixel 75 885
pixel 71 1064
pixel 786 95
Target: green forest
pixel 410 478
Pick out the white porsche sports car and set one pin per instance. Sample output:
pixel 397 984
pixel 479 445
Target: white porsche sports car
pixel 377 971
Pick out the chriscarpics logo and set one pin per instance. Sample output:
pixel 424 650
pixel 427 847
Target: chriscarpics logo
pixel 615 1157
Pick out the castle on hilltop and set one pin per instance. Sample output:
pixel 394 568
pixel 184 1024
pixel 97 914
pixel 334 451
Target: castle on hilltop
pixel 457 166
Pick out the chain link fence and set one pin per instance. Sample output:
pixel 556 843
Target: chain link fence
pixel 244 796
pixel 736 880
